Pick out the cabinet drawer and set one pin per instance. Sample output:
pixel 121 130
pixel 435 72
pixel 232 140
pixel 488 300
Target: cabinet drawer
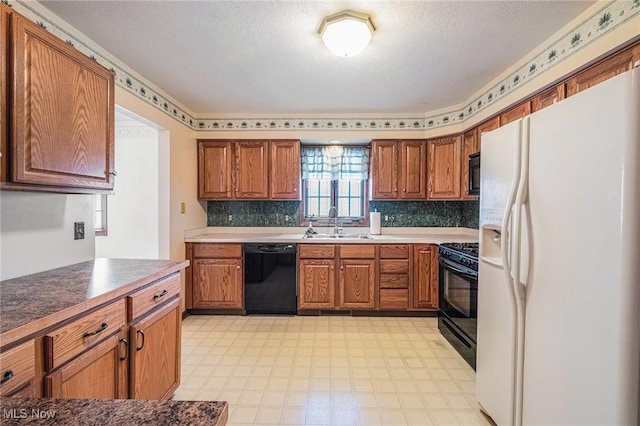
pixel 18 367
pixel 141 302
pixel 394 281
pixel 317 251
pixel 394 299
pixel 357 251
pixel 70 340
pixel 394 266
pixel 217 250
pixel 394 251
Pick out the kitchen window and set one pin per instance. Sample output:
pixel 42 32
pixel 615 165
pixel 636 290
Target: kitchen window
pixel 335 176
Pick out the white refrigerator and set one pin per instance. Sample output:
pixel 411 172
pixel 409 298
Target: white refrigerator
pixel 559 271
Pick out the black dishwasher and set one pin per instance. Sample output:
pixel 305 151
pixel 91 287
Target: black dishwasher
pixel 270 276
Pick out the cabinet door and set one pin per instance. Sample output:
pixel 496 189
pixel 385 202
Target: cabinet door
pixel 155 354
pixel 251 172
pixel 515 113
pixel 357 284
pixel 100 372
pixel 4 77
pixel 547 98
pixel 217 283
pixel 425 276
pixel 215 161
pixel 62 115
pixel 469 146
pixel 316 284
pixel 413 170
pixel 444 168
pixel 384 169
pixel 285 170
pixel 610 67
pixel 487 126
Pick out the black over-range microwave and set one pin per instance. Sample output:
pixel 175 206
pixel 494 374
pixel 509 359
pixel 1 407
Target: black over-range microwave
pixel 474 174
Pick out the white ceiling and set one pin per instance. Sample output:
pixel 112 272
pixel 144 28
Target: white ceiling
pixel 266 58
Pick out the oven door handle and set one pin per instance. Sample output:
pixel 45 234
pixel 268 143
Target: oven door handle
pixel 454 268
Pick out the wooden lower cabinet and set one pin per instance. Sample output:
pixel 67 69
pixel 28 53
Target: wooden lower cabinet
pixel 357 284
pixel 100 372
pixel 425 276
pixel 215 277
pixel 316 283
pixel 394 277
pixel 17 371
pixel 155 353
pixel 217 283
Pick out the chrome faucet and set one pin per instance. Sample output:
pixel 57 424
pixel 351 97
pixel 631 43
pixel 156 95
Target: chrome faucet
pixel 334 210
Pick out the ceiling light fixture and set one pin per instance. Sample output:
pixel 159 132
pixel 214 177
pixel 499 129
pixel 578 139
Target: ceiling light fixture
pixel 346 33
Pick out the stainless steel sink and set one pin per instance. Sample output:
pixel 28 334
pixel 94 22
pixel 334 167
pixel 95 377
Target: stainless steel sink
pixel 340 236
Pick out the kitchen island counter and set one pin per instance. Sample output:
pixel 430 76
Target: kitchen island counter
pixel 114 412
pixel 34 302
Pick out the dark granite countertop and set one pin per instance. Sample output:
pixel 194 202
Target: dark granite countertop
pixel 36 301
pixel 117 412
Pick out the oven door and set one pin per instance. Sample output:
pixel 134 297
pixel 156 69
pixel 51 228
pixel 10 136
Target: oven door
pixel 458 296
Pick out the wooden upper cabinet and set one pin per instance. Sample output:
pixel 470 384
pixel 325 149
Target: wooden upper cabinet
pixel 285 170
pixel 413 170
pixel 62 112
pixel 515 113
pixel 384 169
pixel 487 126
pixel 469 146
pixel 214 169
pixel 233 170
pixel 610 67
pixel 4 76
pixel 251 173
pixel 444 168
pixel 547 97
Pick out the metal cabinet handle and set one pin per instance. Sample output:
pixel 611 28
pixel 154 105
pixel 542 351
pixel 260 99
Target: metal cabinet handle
pixel 126 349
pixel 102 328
pixel 8 375
pixel 157 297
pixel 238 267
pixel 295 189
pixel 141 346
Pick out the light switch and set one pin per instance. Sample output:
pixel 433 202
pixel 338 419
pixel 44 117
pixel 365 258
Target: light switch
pixel 183 208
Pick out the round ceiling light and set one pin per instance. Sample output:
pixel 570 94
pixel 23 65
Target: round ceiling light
pixel 346 33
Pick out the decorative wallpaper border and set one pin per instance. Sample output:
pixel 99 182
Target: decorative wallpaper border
pixel 599 23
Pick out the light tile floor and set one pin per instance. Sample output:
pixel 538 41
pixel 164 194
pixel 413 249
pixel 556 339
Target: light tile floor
pixel 327 370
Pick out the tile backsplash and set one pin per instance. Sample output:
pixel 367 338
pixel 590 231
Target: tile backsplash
pixel 398 213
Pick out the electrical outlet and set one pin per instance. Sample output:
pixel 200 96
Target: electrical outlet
pixel 230 218
pixel 183 208
pixel 78 230
pixel 287 218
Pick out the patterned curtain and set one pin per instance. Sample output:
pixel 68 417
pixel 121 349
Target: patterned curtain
pixel 335 162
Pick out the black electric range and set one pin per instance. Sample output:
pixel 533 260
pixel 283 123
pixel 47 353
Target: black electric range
pixel 458 297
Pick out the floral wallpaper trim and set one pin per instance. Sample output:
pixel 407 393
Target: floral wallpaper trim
pixel 599 23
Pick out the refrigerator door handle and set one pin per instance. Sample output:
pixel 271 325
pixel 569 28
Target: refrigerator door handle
pixel 518 285
pixel 506 251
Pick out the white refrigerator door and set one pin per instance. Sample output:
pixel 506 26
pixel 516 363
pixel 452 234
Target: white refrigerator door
pixel 582 334
pixel 495 338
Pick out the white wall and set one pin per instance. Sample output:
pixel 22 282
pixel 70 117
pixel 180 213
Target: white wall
pixel 133 226
pixel 36 231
